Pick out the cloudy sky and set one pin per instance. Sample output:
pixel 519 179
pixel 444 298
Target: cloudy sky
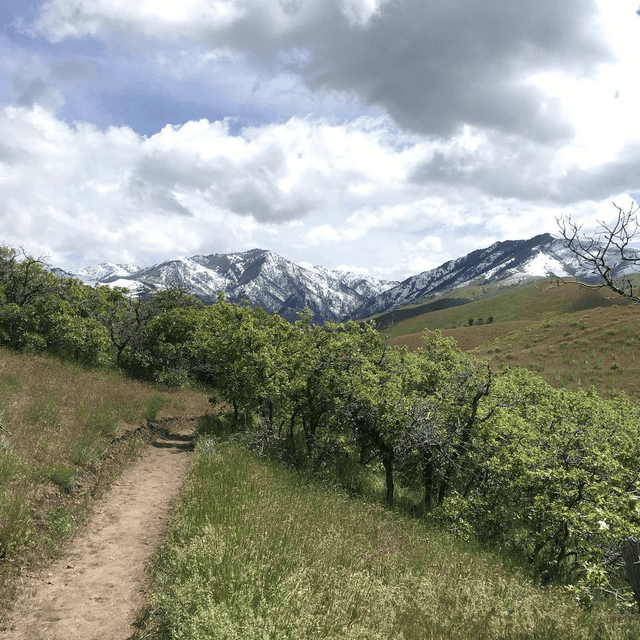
pixel 384 136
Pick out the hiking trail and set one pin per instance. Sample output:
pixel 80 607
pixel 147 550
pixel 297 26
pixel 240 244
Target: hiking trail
pixel 97 587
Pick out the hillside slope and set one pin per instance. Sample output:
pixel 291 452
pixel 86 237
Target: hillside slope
pixel 570 336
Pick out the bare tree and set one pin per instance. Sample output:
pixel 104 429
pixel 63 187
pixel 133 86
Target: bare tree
pixel 602 251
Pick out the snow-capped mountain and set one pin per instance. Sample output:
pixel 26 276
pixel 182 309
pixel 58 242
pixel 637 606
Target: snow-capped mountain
pixel 266 279
pixel 278 285
pixel 366 286
pixel 509 262
pixel 262 277
pixel 104 272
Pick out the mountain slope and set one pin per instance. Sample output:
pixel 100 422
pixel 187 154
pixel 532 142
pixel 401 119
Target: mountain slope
pixel 262 277
pixel 509 262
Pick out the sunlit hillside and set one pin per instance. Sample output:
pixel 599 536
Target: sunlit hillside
pixel 570 336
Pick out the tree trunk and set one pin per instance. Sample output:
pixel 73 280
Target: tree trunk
pixel 387 463
pixel 292 438
pixel 309 427
pixel 429 479
pixel 631 555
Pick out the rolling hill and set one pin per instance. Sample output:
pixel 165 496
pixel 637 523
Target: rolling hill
pixel 570 336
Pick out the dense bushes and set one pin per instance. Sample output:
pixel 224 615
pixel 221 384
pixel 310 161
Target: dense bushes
pixel 551 474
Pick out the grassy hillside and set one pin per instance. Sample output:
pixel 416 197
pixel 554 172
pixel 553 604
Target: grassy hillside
pixel 529 303
pixel 257 551
pixel 570 336
pixel 66 432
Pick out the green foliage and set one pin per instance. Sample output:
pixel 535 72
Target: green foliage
pixel 15 520
pixel 41 313
pixel 254 551
pixel 60 473
pixel 216 425
pixel 559 481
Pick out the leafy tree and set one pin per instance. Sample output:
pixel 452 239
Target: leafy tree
pixel 41 313
pixel 164 347
pixel 557 481
pixel 152 336
pixel 238 353
pixel 327 364
pixel 380 408
pixel 115 311
pixel 449 403
pixel 24 278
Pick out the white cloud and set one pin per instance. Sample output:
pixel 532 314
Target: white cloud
pixel 436 128
pixel 188 189
pixel 60 19
pixel 360 12
pixel 309 189
pixel 322 233
pixel 433 67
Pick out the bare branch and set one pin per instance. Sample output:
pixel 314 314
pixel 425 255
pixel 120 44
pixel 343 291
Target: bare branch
pixel 602 252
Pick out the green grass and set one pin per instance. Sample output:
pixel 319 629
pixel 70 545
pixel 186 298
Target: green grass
pixel 154 405
pixel 570 336
pixel 532 302
pixel 256 551
pixel 65 433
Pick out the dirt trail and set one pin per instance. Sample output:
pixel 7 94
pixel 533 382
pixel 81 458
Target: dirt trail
pixel 95 590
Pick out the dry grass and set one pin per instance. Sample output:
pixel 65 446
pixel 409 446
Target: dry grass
pixel 560 333
pixel 599 347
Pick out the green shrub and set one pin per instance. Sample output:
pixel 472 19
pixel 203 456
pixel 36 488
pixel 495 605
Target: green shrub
pixel 60 474
pixel 218 425
pixel 15 520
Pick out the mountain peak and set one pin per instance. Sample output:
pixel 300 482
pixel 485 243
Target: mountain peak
pixel 507 261
pixel 269 280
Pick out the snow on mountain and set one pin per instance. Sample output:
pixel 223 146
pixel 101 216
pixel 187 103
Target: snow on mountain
pixel 509 262
pixel 262 277
pixel 266 279
pixel 105 272
pixel 366 286
pixel 135 288
pixel 182 272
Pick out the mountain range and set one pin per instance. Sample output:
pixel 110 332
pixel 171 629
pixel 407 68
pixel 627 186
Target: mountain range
pixel 266 279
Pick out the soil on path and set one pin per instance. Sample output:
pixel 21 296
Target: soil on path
pixel 95 590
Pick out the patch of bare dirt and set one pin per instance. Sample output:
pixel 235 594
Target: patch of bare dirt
pixel 94 590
